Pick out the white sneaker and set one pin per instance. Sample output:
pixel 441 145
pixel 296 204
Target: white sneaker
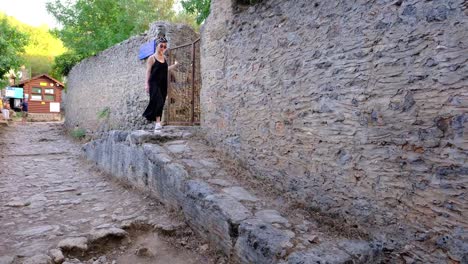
pixel 157 128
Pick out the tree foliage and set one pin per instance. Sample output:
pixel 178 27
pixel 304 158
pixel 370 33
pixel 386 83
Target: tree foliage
pixel 12 43
pixel 41 48
pixel 90 26
pixel 64 63
pixel 201 8
pixel 187 18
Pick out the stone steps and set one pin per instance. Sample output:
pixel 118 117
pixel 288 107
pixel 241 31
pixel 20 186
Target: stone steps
pixel 242 225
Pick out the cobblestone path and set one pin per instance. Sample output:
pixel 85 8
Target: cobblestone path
pixel 49 194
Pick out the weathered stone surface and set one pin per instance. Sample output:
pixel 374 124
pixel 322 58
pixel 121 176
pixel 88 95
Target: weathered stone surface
pixel 220 182
pixel 74 243
pixel 209 164
pixel 51 181
pixel 100 234
pixel 151 149
pixel 6 260
pixel 118 135
pixel 147 165
pixel 73 261
pixel 177 148
pixel 38 230
pixel 240 194
pixel 215 214
pixel 215 217
pixel 139 137
pixel 171 182
pixel 16 203
pixel 354 108
pixel 260 242
pixel 168 228
pixel 347 251
pixel 57 256
pixel 38 259
pixel 271 216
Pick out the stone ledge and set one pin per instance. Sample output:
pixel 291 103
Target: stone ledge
pixel 139 137
pixel 218 215
pixel 345 251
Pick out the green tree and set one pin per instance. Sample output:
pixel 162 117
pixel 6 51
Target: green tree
pixel 12 43
pixel 41 47
pixel 90 26
pixel 64 63
pixel 184 17
pixel 41 50
pixel 201 8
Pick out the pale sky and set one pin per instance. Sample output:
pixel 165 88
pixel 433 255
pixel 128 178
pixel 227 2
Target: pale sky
pixel 32 12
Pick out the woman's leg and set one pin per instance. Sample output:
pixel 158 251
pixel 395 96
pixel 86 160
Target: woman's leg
pixel 157 125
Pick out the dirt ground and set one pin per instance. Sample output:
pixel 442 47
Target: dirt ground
pixel 48 193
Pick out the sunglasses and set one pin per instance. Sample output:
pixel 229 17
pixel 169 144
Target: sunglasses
pixel 163 46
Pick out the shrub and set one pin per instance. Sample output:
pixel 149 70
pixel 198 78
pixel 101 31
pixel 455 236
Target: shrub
pixel 78 133
pixel 104 113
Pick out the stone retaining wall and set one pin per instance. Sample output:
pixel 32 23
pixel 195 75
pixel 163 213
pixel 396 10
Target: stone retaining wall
pixel 350 107
pixel 244 235
pixel 45 117
pixel 115 79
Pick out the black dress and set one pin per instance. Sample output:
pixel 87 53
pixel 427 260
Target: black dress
pixel 157 90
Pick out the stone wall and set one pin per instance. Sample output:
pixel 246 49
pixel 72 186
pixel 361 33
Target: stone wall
pixel 171 167
pixel 115 80
pixel 351 107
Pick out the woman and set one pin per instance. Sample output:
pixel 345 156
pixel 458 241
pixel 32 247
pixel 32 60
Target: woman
pixel 1 108
pixel 6 111
pixel 24 109
pixel 156 83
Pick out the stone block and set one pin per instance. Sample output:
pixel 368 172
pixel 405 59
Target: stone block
pixel 38 259
pixel 169 184
pixel 240 194
pixel 271 216
pixel 153 149
pixel 74 244
pixel 117 136
pixel 6 260
pixel 101 234
pixel 178 149
pixel 260 242
pixel 139 137
pixel 56 255
pixel 215 217
pixel 220 182
pixel 337 252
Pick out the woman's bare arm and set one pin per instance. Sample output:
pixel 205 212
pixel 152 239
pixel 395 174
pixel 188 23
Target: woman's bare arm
pixel 149 64
pixel 173 65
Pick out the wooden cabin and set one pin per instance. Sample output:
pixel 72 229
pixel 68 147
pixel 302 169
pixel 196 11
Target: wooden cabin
pixel 44 95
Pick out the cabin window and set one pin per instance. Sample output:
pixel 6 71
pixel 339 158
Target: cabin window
pixel 49 97
pixel 36 94
pixel 48 91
